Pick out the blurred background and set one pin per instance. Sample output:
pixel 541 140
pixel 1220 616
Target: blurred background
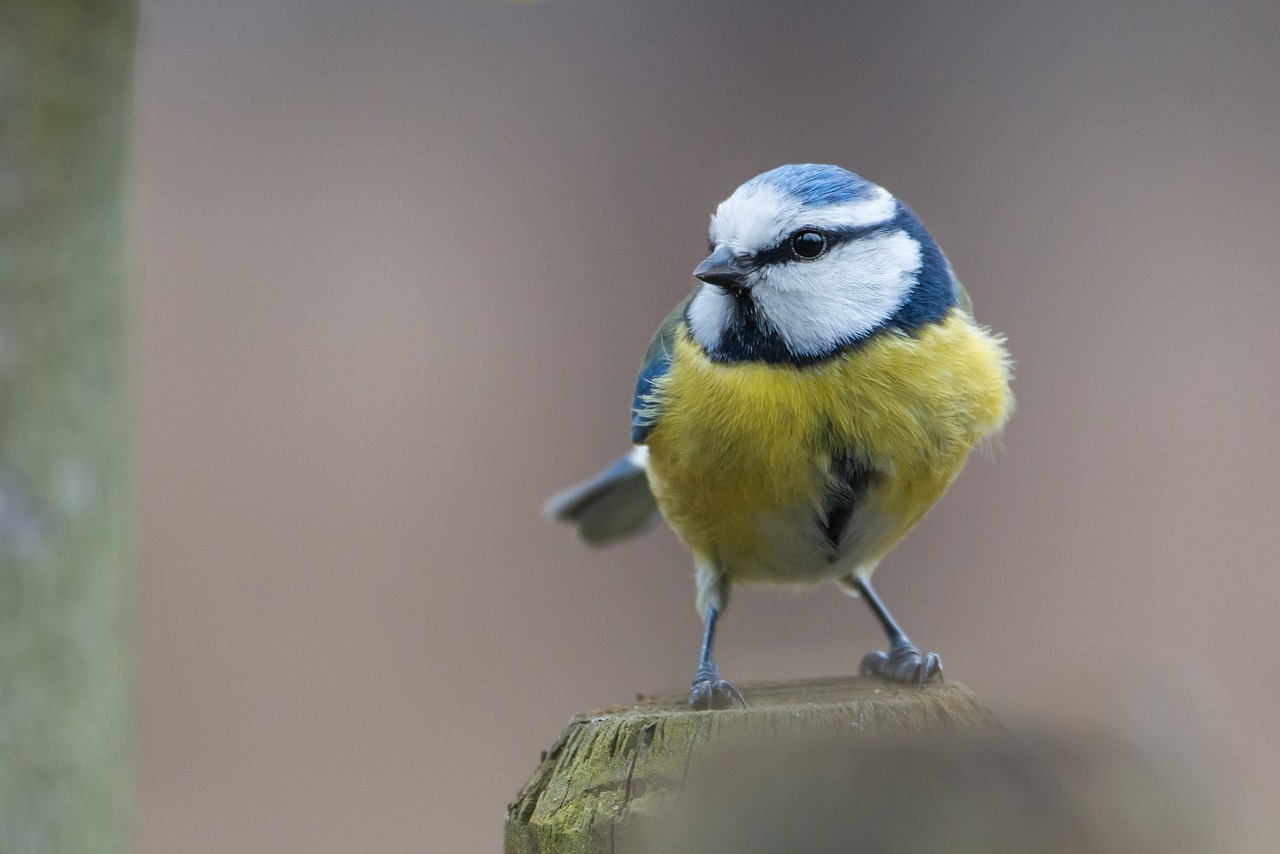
pixel 397 265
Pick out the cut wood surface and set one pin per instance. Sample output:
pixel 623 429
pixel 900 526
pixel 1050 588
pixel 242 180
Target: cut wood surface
pixel 611 769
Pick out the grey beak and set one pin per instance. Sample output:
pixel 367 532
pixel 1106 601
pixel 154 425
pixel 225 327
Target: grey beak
pixel 723 270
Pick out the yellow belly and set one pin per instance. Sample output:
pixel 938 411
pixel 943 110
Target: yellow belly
pixel 740 458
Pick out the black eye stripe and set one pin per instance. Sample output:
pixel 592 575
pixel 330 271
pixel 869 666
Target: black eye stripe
pixel 781 252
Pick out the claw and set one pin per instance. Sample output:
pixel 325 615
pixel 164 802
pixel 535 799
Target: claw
pixel 715 694
pixel 711 692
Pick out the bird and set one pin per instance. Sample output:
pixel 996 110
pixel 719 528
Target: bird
pixel 804 406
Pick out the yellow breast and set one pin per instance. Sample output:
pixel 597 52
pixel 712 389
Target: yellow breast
pixel 740 458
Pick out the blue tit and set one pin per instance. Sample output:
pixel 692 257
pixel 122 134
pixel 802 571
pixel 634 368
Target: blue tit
pixel 806 405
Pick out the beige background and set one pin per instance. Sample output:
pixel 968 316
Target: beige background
pixel 398 262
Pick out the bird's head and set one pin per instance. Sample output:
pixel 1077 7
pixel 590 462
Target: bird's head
pixel 808 260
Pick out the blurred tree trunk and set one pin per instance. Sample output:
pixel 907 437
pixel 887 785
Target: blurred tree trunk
pixel 65 86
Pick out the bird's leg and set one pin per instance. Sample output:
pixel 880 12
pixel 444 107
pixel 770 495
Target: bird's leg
pixel 709 690
pixel 903 662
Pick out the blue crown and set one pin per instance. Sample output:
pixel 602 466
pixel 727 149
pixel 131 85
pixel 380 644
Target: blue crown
pixel 815 185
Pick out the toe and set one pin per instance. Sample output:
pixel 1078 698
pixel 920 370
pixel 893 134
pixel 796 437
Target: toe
pixel 873 664
pixel 930 667
pixel 903 663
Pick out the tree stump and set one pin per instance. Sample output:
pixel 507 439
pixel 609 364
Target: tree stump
pixel 609 771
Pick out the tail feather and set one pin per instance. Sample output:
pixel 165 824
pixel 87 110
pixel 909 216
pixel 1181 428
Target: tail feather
pixel 614 504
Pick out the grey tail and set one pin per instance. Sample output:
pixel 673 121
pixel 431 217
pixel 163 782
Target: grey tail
pixel 614 504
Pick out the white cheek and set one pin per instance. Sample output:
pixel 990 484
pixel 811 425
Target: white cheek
pixel 844 295
pixel 709 313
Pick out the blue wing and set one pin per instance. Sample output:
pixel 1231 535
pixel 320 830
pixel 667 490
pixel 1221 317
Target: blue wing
pixel 646 409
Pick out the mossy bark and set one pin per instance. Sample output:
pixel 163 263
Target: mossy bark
pixel 609 773
pixel 65 85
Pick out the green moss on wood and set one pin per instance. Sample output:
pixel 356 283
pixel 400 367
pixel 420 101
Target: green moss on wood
pixel 610 770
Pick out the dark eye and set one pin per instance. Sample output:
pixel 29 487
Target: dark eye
pixel 808 244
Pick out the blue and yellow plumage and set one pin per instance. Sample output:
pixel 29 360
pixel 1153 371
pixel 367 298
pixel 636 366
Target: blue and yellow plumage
pixel 806 406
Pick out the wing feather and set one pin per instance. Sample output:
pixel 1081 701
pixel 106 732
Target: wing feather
pixel 646 405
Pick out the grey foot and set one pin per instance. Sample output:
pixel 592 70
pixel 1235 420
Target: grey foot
pixel 903 663
pixel 711 692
